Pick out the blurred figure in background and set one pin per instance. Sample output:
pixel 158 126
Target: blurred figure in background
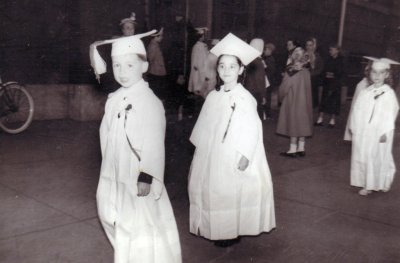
pixel 198 60
pixel 255 76
pixel 332 86
pixel 128 25
pixel 316 65
pixel 157 74
pixel 270 71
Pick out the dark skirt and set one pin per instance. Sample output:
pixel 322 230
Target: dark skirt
pixel 331 96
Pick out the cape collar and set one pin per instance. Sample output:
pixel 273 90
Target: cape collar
pixel 136 89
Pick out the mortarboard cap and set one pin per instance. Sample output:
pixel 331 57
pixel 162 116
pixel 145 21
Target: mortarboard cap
pixel 120 46
pixel 382 63
pixel 131 19
pixel 232 45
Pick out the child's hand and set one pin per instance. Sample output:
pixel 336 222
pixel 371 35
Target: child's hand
pixel 243 163
pixel 143 189
pixel 382 139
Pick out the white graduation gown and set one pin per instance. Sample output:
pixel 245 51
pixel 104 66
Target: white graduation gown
pixel 141 229
pixel 373 115
pixel 224 201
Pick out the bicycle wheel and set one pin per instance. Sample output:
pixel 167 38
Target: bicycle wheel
pixel 16 108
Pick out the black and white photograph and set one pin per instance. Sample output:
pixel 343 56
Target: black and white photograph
pixel 199 131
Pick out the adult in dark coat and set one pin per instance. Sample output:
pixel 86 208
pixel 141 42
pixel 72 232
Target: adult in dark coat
pixel 255 76
pixel 295 116
pixel 332 83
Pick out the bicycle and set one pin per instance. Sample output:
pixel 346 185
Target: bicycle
pixel 16 107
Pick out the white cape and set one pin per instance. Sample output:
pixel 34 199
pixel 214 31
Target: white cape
pixel 373 115
pixel 140 229
pixel 224 201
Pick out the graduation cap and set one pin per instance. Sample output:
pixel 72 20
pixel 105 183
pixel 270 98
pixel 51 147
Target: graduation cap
pixel 382 63
pixel 232 45
pixel 131 19
pixel 120 46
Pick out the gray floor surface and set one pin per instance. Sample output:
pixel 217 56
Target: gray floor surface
pixel 49 175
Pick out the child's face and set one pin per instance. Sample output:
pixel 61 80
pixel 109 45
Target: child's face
pixel 378 76
pixel 128 29
pixel 229 69
pixel 128 69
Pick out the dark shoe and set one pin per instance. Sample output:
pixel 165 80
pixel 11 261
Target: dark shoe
pixel 319 124
pixel 301 154
pixel 227 242
pixel 291 155
pixel 331 126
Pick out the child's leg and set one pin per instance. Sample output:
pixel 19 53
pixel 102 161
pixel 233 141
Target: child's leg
pixel 301 144
pixel 292 149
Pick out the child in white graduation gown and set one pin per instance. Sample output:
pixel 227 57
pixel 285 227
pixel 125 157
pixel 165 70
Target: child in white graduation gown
pixel 230 187
pixel 133 205
pixel 371 125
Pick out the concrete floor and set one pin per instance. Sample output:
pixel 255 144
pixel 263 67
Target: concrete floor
pixel 49 175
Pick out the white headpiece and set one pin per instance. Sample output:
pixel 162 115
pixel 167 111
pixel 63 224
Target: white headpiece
pixel 120 46
pixel 232 45
pixel 382 63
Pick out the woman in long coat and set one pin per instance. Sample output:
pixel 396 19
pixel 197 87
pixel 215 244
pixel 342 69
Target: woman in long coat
pixel 295 116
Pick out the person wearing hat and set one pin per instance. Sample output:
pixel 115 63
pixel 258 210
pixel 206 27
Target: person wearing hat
pixel 295 114
pixel 128 25
pixel 156 75
pixel 230 186
pixel 371 126
pixel 133 205
pixel 255 76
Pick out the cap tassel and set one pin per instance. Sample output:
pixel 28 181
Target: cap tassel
pixel 98 64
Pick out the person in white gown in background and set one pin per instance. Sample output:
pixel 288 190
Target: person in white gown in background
pixel 371 126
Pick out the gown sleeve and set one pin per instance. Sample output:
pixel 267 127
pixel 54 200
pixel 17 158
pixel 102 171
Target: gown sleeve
pixel 153 149
pixel 246 126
